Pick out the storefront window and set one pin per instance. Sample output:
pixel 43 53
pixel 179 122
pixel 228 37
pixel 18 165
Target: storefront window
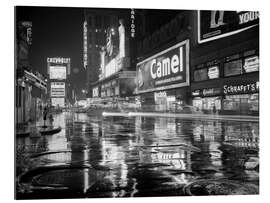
pixel 200 74
pixel 198 103
pixel 244 103
pixel 253 102
pixel 233 68
pixel 231 103
pixel 117 90
pixel 207 103
pixel 210 102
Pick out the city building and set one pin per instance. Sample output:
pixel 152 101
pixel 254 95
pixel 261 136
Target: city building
pixel 109 54
pixel 205 59
pixel 163 61
pixel 58 69
pixel 225 62
pixel 30 85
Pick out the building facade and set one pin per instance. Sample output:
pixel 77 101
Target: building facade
pixel 225 62
pixel 208 60
pixel 110 55
pixel 163 68
pixel 30 85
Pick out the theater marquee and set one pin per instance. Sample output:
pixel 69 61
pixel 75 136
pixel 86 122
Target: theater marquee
pixel 165 70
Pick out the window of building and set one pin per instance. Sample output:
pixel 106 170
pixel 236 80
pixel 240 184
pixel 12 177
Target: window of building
pixel 207 103
pixel 251 64
pixel 90 35
pixel 89 21
pixel 207 73
pixel 213 72
pixel 18 96
pixel 200 74
pixel 244 102
pixel 98 21
pixel 253 101
pixel 233 68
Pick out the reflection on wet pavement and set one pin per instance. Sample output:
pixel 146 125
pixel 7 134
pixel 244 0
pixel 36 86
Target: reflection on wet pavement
pixel 138 156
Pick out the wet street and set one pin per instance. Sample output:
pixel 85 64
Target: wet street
pixel 114 156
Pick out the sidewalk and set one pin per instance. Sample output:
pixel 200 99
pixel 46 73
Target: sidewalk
pixel 36 127
pixel 187 116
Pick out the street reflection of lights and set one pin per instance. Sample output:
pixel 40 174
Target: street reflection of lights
pixel 124 172
pixel 83 127
pixel 86 180
pixel 86 171
pixel 57 144
pixel 180 179
pixel 134 187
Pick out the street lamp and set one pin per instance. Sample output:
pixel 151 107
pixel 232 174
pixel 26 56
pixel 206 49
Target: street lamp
pixel 112 31
pixel 84 91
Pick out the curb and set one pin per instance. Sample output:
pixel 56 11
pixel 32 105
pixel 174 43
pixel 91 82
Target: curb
pixel 42 132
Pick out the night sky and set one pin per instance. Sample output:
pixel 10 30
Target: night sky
pixel 56 32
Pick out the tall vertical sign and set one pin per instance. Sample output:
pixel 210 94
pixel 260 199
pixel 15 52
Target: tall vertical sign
pixel 85 58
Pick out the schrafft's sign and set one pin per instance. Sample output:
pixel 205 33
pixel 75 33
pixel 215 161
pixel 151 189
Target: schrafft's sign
pixel 241 89
pixel 165 70
pixel 217 24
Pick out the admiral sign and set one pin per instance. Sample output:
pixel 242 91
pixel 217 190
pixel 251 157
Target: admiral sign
pixel 217 24
pixel 165 70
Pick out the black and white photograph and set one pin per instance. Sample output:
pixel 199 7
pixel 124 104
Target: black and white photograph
pixel 135 102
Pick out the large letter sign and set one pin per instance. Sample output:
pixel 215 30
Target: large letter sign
pixel 165 70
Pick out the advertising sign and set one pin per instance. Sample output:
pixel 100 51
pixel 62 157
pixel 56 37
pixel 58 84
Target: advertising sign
pixel 111 68
pixel 251 64
pixel 95 91
pixel 211 92
pixel 218 24
pixel 58 102
pixel 158 95
pixel 58 89
pixel 213 72
pixel 165 70
pixel 58 72
pixel 206 92
pixel 241 88
pixel 58 60
pixel 85 57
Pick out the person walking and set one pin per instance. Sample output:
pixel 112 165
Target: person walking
pixel 45 112
pixel 214 109
pixel 51 119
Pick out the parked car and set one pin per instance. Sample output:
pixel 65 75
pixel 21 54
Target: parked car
pixel 188 109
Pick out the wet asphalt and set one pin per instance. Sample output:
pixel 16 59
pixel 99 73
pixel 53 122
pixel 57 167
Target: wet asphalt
pixel 114 156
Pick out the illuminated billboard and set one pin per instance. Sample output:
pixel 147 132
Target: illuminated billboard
pixel 58 62
pixel 218 24
pixel 58 72
pixel 165 70
pixel 58 102
pixel 58 89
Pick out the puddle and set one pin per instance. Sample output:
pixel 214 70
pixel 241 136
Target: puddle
pixel 216 187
